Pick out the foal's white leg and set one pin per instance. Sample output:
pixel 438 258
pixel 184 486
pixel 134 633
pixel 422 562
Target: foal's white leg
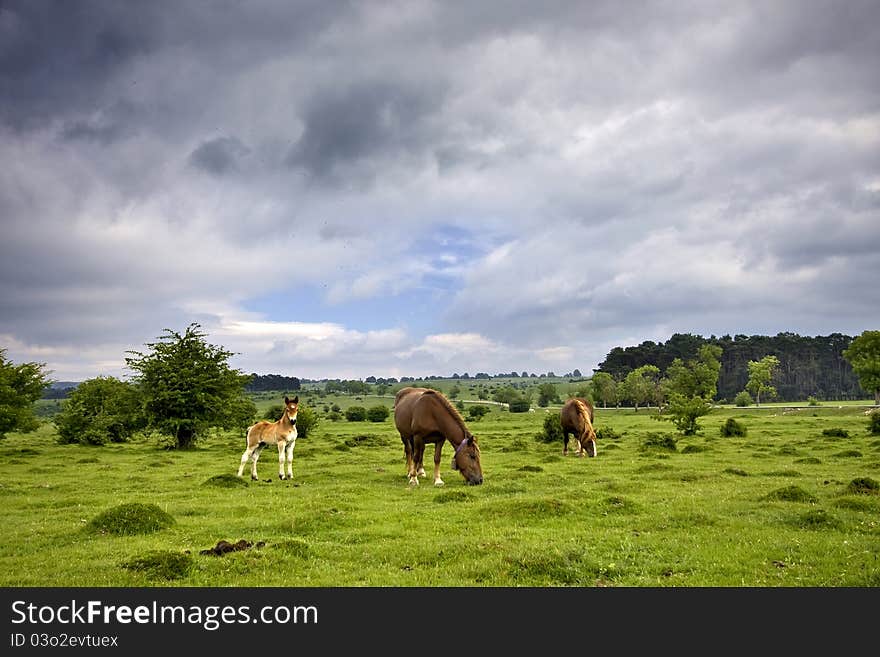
pixel 256 458
pixel 244 459
pixel 290 445
pixel 281 450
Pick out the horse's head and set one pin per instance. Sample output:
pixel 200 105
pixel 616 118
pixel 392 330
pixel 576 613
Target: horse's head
pixel 467 460
pixel 290 408
pixel 588 440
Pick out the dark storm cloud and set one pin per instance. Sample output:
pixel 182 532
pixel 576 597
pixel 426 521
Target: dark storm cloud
pixel 219 156
pixel 619 170
pixel 362 124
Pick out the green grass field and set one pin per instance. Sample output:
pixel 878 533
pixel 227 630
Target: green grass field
pixel 783 506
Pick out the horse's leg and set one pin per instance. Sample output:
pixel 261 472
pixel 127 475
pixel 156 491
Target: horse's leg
pixel 565 443
pixel 244 458
pixel 289 453
pixel 282 447
pixel 407 452
pixel 437 480
pixel 257 451
pixel 418 452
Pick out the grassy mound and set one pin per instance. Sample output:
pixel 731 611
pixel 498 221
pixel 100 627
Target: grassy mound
pixel 161 565
pixel 132 518
pixel 659 441
pixel 863 486
pixel 790 494
pixel 226 481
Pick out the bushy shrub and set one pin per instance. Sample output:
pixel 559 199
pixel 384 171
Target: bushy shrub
pixel 733 428
pixel 835 432
pixel 743 399
pixel 98 411
pixel 607 433
pixel 356 414
pixel 477 411
pixel 552 431
pixel 519 406
pixel 378 413
pixel 306 421
pixel 874 423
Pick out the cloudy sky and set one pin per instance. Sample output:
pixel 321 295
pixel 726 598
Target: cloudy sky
pixel 345 189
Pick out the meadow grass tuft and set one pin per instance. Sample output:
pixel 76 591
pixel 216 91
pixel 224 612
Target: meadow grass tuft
pixel 790 494
pixel 161 564
pixel 131 518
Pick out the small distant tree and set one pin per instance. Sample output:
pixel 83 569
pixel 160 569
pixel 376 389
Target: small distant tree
pixel 760 376
pixel 187 386
pixel 604 388
pixel 691 386
pixel 863 355
pixel 20 386
pixel 306 421
pixel 743 399
pixel 100 410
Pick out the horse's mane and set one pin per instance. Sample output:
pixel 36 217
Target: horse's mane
pixel 584 409
pixel 449 407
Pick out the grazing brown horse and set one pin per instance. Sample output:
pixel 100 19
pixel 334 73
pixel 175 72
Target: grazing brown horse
pixel 281 433
pixel 424 416
pixel 577 419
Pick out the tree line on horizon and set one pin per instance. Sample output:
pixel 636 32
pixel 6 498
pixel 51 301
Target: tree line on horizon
pixel 808 366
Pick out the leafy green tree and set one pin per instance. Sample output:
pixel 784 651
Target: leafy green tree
pixel 640 385
pixel 691 385
pixel 20 386
pixel 604 388
pixel 760 376
pixel 547 394
pixel 306 421
pixel 100 410
pixel 187 386
pixel 863 354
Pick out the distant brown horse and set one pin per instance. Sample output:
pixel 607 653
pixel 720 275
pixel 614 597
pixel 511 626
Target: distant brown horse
pixel 577 419
pixel 281 433
pixel 422 415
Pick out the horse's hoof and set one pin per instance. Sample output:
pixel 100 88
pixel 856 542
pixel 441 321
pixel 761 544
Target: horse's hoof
pixel 413 481
pixel 439 482
pixel 253 478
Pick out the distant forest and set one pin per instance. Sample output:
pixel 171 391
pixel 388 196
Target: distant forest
pixel 808 366
pixel 272 382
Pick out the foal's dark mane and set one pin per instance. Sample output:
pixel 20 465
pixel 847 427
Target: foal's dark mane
pixel 449 407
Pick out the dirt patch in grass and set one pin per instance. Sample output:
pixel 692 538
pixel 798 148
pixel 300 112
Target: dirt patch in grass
pixel 226 481
pixel 790 494
pixel 129 519
pixel 225 547
pixel 161 565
